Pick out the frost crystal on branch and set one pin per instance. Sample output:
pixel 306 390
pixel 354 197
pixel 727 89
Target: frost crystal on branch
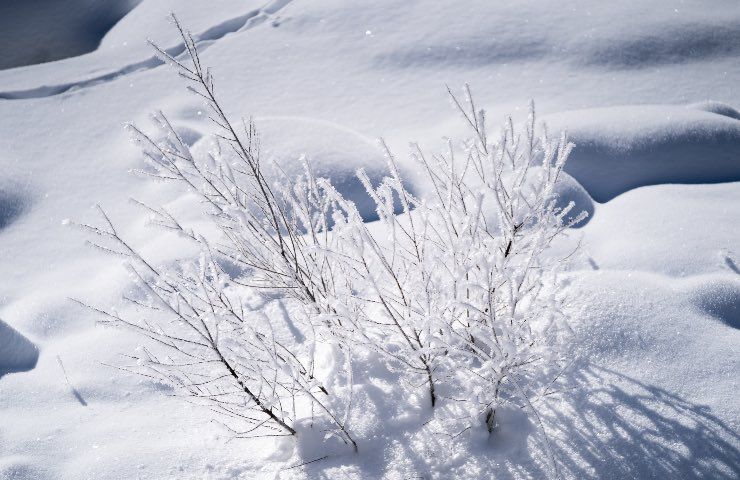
pixel 459 292
pixel 463 292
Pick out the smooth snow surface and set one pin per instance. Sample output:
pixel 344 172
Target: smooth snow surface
pixel 647 90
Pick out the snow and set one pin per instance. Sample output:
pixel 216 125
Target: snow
pixel 13 202
pixel 716 107
pixel 620 148
pixel 333 151
pixel 569 190
pixel 695 220
pixel 657 165
pixel 27 30
pixel 17 353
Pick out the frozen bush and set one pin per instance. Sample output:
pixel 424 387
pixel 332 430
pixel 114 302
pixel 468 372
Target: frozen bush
pixel 218 346
pixel 458 292
pixel 463 292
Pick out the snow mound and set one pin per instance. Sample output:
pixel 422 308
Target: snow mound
pixel 569 190
pixel 621 148
pixel 665 44
pixel 334 152
pixel 12 204
pixel 17 353
pixel 716 107
pixel 718 297
pixel 682 230
pixel 47 30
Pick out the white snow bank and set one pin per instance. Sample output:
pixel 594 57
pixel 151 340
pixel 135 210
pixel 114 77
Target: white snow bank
pixel 716 107
pixel 661 415
pixel 46 30
pixel 13 202
pixel 17 353
pixel 334 152
pixel 717 296
pixel 663 43
pixel 569 190
pixel 675 230
pixel 620 148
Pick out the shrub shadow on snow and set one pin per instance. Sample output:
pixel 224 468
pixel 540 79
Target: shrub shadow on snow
pixel 613 426
pixel 400 436
pixel 606 425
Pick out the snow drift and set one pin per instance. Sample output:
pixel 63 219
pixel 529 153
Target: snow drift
pixel 621 148
pixel 334 152
pixel 17 353
pixel 569 190
pixel 682 230
pixel 13 203
pixel 45 30
pixel 659 397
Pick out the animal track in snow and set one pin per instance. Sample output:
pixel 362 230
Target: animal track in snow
pixel 203 40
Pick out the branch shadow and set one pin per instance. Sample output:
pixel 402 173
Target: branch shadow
pixel 615 426
pixel 605 425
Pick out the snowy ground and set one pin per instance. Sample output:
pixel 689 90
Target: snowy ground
pixel 648 91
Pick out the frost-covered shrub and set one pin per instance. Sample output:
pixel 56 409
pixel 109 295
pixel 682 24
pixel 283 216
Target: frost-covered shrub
pixel 458 292
pixel 210 335
pixel 462 292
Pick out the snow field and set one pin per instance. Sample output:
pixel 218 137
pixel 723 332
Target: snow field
pixel 655 297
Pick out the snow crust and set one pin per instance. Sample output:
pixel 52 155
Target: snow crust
pixel 655 297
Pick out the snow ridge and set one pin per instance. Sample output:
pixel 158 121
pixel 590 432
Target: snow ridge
pixel 203 40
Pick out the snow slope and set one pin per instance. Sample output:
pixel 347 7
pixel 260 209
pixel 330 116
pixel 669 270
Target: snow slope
pixel 17 353
pixel 620 148
pixel 648 91
pixel 46 30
